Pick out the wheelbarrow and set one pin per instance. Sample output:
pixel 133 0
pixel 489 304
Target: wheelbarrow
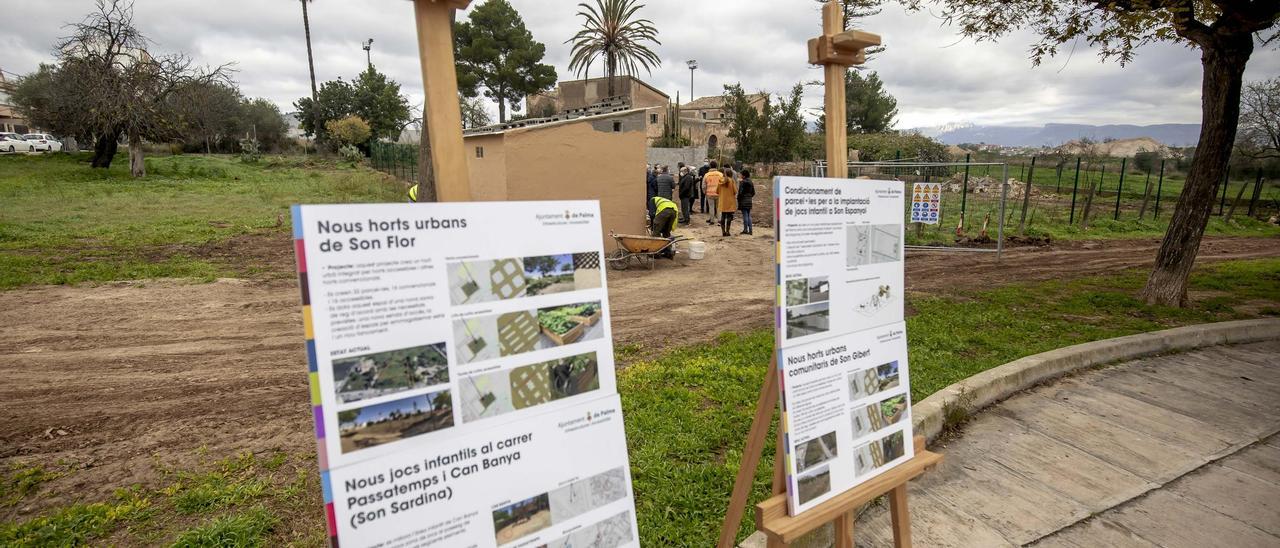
pixel 642 250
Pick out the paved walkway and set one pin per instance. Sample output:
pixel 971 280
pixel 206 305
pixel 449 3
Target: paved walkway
pixel 1174 451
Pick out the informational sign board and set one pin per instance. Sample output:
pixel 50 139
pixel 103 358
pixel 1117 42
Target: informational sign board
pixel 462 375
pixel 841 340
pixel 926 203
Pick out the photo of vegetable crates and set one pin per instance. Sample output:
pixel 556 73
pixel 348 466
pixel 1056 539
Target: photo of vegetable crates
pixel 566 324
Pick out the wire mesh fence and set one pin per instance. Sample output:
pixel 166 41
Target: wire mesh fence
pixel 972 215
pixel 396 159
pixel 1062 196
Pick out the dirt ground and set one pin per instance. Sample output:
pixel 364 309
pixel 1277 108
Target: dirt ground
pixel 117 379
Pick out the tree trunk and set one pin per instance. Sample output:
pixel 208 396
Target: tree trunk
pixel 1223 60
pixel 137 165
pixel 311 64
pixel 426 172
pixel 502 110
pixel 104 149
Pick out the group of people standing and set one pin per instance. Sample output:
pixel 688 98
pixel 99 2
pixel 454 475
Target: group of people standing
pixel 718 193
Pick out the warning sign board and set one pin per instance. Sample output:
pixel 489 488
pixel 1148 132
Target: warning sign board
pixel 926 203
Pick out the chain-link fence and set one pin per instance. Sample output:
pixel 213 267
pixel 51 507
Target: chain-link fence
pixel 397 159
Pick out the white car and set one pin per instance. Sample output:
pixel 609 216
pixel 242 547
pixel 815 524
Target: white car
pixel 12 142
pixel 43 142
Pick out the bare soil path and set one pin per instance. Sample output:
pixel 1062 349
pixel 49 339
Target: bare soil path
pixel 117 378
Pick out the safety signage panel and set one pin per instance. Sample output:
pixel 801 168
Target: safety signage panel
pixel 926 203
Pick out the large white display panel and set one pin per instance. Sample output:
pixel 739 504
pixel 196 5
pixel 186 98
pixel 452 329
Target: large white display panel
pixel 841 340
pixel 462 374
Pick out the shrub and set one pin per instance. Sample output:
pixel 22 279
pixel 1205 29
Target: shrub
pixel 249 152
pixel 351 154
pixel 348 131
pixel 885 146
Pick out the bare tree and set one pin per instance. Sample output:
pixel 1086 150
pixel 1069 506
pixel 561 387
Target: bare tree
pixel 124 88
pixel 1259 136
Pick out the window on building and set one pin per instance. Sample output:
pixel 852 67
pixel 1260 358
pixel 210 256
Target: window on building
pixel 617 127
pixel 704 115
pixel 721 115
pixel 653 118
pixel 479 152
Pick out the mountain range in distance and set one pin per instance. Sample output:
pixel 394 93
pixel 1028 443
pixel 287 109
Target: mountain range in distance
pixel 1174 135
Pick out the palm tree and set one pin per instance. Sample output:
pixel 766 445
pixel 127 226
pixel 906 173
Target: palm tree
pixel 306 25
pixel 611 36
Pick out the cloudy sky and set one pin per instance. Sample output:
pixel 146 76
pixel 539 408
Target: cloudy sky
pixel 937 77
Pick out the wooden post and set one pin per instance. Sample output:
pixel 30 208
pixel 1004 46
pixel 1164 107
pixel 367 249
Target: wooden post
pixel 1232 210
pixel 836 50
pixel 837 123
pixel 1120 189
pixel 1026 197
pixel 1075 187
pixel 1146 195
pixel 756 437
pixel 443 117
pixel 1155 213
pixel 1257 192
pixel 900 516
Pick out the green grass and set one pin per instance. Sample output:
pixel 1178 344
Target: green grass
pixel 62 222
pixel 78 524
pixel 245 529
pixel 240 501
pixel 688 411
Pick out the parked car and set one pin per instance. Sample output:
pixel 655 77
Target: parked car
pixel 43 142
pixel 12 142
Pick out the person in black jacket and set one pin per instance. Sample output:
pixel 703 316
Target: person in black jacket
pixel 688 193
pixel 650 188
pixel 746 191
pixel 664 183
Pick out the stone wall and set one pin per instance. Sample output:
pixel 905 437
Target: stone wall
pixel 691 156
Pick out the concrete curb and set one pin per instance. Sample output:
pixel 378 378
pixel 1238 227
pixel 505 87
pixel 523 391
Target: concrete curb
pixel 988 387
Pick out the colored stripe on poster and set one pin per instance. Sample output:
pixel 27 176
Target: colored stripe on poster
pixel 307 328
pixel 315 388
pixel 300 251
pixel 295 211
pixel 322 455
pixel 317 413
pixel 312 366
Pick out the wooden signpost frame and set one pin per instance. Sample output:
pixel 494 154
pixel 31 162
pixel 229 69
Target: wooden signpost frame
pixel 836 50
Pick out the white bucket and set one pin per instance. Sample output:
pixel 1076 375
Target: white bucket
pixel 697 250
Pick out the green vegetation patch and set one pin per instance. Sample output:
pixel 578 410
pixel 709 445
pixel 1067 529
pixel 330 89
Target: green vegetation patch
pixel 78 524
pixel 244 500
pixel 63 222
pixel 245 529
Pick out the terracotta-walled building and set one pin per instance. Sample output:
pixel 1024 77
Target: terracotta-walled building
pixel 592 157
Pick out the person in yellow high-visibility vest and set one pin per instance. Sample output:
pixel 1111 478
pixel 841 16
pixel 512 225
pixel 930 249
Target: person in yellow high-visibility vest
pixel 666 215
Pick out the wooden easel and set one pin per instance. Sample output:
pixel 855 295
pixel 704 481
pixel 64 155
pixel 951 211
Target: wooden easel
pixel 836 50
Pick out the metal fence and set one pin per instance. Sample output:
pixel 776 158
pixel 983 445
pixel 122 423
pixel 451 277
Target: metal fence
pixel 1069 195
pixel 397 159
pixel 966 211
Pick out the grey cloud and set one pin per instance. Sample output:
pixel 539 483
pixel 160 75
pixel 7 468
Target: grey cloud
pixel 936 77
